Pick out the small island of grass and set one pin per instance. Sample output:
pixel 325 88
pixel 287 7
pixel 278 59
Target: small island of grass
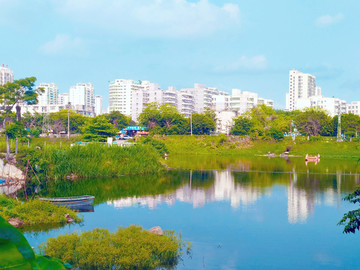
pixel 35 213
pixel 127 248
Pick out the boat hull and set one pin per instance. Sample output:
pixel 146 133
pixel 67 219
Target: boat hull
pixel 79 203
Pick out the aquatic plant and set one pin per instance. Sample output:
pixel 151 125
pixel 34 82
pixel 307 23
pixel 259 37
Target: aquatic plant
pixel 35 212
pixel 93 160
pixel 127 248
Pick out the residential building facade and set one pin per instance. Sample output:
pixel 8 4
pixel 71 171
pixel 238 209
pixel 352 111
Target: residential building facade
pixel 301 86
pixel 6 75
pixel 50 94
pixel 333 106
pixel 98 105
pixel 353 107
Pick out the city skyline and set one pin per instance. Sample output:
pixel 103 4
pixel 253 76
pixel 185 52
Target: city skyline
pixel 223 45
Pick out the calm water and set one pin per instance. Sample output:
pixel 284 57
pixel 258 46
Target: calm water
pixel 239 214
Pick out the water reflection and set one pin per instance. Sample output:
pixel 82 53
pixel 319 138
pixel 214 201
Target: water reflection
pixel 244 188
pixel 224 188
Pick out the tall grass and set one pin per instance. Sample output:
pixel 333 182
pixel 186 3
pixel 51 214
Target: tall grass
pixel 93 160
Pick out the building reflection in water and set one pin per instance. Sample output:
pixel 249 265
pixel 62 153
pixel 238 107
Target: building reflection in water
pixel 223 189
pixel 305 190
pixel 299 203
pixel 302 200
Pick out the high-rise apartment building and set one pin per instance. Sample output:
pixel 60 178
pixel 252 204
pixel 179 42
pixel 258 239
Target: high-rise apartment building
pixel 142 95
pixel 239 101
pixel 333 106
pixel 301 86
pixel 82 98
pixel 120 95
pixel 50 94
pixel 82 94
pixel 63 99
pixel 98 105
pixel 185 103
pixel 6 75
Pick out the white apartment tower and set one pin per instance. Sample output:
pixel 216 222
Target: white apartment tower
pixel 120 95
pixel 63 99
pixel 301 86
pixel 98 105
pixel 50 94
pixel 82 94
pixel 6 75
pixel 146 93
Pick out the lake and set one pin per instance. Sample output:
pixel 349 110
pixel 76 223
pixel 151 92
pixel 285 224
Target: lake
pixel 238 213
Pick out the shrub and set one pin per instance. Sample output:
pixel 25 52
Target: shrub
pixel 158 145
pixel 127 248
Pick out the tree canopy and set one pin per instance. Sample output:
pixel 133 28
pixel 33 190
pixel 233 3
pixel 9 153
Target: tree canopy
pixel 77 120
pixel 119 120
pixel 351 219
pixel 98 129
pixel 314 122
pixel 163 119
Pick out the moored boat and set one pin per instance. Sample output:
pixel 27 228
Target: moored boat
pixel 75 202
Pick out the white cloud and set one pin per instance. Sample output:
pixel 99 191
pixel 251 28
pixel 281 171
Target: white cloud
pixel 245 63
pixel 63 44
pixel 328 20
pixel 153 18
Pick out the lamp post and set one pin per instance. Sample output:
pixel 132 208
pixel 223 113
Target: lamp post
pixel 191 124
pixel 339 139
pixel 68 131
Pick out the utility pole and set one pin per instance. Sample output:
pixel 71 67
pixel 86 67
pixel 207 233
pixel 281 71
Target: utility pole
pixel 190 124
pixel 339 139
pixel 68 133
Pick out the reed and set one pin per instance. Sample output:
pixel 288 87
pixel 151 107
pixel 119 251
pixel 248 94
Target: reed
pixel 93 160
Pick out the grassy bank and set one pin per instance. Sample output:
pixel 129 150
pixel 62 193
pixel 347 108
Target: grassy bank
pixel 93 160
pixel 221 145
pixel 128 248
pixel 35 212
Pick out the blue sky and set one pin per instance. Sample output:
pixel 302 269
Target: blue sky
pixel 228 44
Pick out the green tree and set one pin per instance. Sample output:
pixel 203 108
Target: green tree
pixel 150 116
pixel 262 122
pixel 12 95
pixel 242 126
pixel 351 219
pixel 314 122
pixel 350 124
pixel 163 119
pixel 76 120
pixel 98 129
pixel 202 124
pixel 119 120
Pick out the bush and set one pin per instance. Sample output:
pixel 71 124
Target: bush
pixel 158 145
pixel 276 134
pixel 127 248
pixel 315 138
pixel 222 138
